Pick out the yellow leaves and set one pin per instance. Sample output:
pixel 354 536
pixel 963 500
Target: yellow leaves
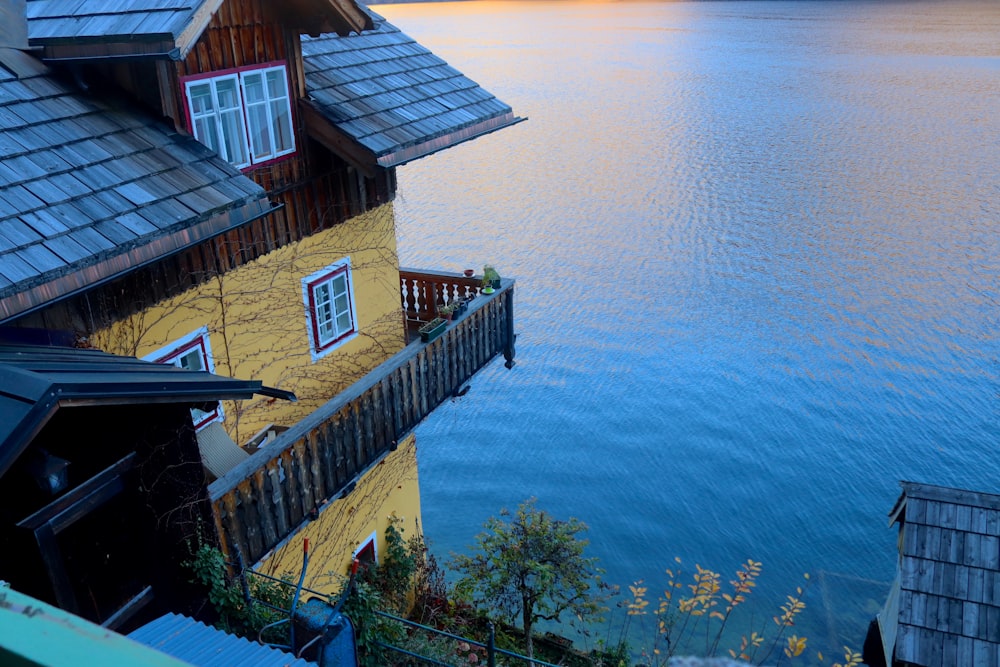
pixel 795 646
pixel 637 607
pixel 790 610
pixel 754 641
pixel 851 659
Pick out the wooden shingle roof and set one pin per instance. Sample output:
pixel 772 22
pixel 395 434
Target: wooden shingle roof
pixel 394 99
pixel 95 29
pixel 92 188
pixel 949 595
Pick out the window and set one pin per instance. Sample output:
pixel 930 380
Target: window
pixel 329 299
pixel 367 553
pixel 245 116
pixel 194 353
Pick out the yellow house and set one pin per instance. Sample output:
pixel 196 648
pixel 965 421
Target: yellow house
pixel 213 189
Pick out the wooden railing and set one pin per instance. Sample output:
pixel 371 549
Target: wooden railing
pixel 267 497
pixel 423 292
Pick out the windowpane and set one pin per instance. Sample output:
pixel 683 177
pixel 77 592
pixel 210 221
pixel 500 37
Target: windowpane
pixel 234 137
pixel 253 87
pixel 191 360
pixel 201 98
pixel 227 94
pixel 281 117
pixel 260 133
pixel 206 131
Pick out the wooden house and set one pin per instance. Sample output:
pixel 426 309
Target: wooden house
pixel 944 606
pixel 208 184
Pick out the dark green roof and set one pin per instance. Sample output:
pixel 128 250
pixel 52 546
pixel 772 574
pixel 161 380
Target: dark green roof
pixel 35 381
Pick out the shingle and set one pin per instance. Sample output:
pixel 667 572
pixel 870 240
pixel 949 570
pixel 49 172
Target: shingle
pixel 44 223
pixel 135 224
pixel 21 198
pixel 17 233
pixel 135 193
pixel 92 240
pixel 15 269
pixel 117 233
pixel 40 257
pixel 66 249
pixel 46 190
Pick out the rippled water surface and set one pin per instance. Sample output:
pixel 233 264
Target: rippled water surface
pixel 758 278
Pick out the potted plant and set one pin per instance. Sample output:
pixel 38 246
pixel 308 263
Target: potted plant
pixel 448 310
pixel 491 279
pixel 433 329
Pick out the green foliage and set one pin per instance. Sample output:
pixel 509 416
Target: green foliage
pixel 529 567
pixel 370 629
pixel 393 577
pixel 225 595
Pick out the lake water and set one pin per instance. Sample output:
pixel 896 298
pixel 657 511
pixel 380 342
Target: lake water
pixel 757 252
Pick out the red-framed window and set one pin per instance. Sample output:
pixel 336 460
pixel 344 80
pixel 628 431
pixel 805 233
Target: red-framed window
pixel 330 312
pixel 194 353
pixel 367 553
pixel 245 115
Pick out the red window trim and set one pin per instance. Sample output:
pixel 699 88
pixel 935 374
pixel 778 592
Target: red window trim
pixel 184 80
pixel 310 287
pixel 199 343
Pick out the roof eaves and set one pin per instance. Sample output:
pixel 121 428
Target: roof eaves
pixel 73 280
pixel 439 143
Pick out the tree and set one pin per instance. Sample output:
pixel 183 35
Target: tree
pixel 531 565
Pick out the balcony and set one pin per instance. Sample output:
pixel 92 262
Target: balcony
pixel 268 496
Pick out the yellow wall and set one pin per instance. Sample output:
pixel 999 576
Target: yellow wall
pixel 389 489
pixel 256 318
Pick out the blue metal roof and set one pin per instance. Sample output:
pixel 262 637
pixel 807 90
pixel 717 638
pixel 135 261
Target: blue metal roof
pixel 196 643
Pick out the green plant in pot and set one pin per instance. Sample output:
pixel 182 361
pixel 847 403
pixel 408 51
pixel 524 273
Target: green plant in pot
pixel 447 311
pixel 491 279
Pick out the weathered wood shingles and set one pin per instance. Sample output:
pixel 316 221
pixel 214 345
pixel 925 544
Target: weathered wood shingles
pixel 84 180
pixel 391 94
pixel 109 20
pixel 949 606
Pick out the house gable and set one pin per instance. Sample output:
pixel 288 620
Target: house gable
pixel 70 30
pixel 382 100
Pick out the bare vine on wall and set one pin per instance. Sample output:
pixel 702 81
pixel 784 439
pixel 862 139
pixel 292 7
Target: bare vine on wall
pixel 257 321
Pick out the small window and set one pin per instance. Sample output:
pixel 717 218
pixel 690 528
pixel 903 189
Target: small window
pixel 330 314
pixel 194 353
pixel 245 116
pixel 367 553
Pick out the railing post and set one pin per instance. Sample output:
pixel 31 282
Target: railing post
pixel 508 350
pixel 491 657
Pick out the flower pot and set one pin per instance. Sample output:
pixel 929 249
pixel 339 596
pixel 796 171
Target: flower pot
pixel 469 273
pixel 432 329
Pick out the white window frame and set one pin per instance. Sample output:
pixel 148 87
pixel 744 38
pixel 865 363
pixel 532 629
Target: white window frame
pixel 258 142
pixel 195 342
pixel 372 540
pixel 320 342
